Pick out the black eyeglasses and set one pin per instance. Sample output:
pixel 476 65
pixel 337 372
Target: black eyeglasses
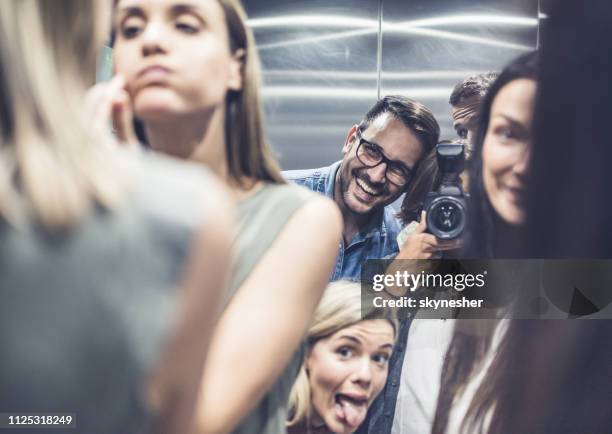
pixel 371 155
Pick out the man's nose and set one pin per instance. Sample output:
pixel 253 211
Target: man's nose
pixel 378 173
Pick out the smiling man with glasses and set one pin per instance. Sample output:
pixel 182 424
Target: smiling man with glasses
pixel 380 157
pixel 372 155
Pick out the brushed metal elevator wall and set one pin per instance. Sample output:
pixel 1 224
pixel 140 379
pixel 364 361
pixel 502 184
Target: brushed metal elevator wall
pixel 326 61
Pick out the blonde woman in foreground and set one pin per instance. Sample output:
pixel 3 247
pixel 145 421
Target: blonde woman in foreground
pixel 111 265
pixel 345 364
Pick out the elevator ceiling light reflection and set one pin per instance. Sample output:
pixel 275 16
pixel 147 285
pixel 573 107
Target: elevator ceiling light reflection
pixel 328 21
pixel 350 93
pixel 488 20
pixel 397 28
pixel 414 27
pixel 335 21
pixel 352 75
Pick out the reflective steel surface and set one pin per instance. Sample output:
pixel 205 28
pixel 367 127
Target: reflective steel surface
pixel 320 73
pixel 429 46
pixel 325 62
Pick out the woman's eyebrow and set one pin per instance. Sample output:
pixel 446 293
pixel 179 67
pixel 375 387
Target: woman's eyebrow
pixel 176 9
pixel 509 119
pixel 185 7
pixel 513 122
pixel 386 346
pixel 127 6
pixel 128 11
pixel 351 338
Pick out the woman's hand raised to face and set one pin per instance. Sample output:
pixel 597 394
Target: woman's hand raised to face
pixel 421 245
pixel 108 103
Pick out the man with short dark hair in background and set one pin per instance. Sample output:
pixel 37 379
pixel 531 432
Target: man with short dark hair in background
pixel 466 100
pixel 380 156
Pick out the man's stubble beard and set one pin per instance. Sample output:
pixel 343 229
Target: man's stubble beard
pixel 344 193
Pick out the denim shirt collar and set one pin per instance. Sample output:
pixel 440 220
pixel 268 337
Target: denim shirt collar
pixel 329 181
pixel 377 224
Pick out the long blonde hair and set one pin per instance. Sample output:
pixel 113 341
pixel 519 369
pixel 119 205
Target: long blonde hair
pixel 340 307
pixel 51 167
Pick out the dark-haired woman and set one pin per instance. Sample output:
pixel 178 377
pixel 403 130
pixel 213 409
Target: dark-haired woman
pixel 498 180
pixel 556 376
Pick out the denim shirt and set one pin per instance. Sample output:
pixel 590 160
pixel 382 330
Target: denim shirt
pixel 375 241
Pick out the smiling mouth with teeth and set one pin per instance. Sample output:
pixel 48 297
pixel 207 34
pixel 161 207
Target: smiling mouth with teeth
pixel 366 187
pixel 350 409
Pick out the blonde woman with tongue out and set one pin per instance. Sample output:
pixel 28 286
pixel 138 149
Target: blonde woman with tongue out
pixel 345 364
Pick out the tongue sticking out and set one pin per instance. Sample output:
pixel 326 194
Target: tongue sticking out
pixel 351 411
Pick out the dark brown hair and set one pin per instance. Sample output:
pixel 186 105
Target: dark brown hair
pixel 573 153
pixel 472 340
pixel 427 178
pixel 411 113
pixel 475 85
pixel 248 153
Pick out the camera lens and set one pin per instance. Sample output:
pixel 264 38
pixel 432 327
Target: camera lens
pixel 446 217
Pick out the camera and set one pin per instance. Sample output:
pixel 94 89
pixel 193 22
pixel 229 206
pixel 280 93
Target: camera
pixel 446 208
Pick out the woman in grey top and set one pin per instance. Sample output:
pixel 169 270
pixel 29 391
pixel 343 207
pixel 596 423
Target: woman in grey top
pixel 95 243
pixel 192 75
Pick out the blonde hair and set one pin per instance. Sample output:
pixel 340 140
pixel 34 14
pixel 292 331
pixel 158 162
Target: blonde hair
pixel 339 308
pixel 50 165
pixel 248 153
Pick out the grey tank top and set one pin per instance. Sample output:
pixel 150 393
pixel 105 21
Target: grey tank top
pixel 261 219
pixel 84 314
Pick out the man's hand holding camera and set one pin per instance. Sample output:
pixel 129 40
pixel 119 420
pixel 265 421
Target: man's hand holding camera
pixel 422 245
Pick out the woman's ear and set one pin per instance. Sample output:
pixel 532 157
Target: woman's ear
pixel 236 72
